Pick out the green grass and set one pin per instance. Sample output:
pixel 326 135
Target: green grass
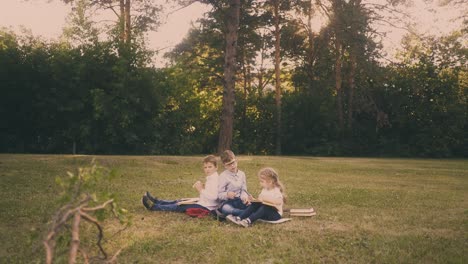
pixel 369 211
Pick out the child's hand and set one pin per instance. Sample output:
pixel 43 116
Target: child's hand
pixel 231 195
pixel 198 185
pixel 246 201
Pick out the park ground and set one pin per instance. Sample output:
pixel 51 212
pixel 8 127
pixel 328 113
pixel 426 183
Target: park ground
pixel 369 210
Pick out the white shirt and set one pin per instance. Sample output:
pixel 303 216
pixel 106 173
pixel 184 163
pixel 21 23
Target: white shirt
pixel 272 194
pixel 209 195
pixel 232 182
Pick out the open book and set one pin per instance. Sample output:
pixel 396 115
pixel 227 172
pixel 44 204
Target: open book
pixel 255 200
pixel 188 201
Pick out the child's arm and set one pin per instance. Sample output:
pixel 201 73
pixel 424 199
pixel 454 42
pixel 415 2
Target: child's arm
pixel 244 195
pixel 199 186
pixel 270 200
pixel 210 191
pixel 275 197
pixel 222 193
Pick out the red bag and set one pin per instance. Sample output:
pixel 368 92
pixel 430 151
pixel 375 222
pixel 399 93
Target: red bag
pixel 197 212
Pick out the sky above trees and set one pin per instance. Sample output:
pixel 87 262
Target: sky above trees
pixel 47 19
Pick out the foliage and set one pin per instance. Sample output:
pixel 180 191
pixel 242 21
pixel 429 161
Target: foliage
pixel 83 94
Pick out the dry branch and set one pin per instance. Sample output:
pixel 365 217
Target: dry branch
pixel 78 214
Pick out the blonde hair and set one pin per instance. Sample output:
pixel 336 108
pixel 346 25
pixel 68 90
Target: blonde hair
pixel 271 174
pixel 211 159
pixel 227 156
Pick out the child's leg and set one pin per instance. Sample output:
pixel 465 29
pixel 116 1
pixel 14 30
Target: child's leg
pixel 228 209
pixel 266 213
pixel 250 209
pixel 170 207
pixel 158 201
pixel 233 207
pixel 166 202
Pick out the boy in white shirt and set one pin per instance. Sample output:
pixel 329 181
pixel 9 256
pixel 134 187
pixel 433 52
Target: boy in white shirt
pixel 208 198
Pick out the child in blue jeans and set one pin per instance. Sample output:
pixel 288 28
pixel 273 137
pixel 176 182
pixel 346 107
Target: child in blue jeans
pixel 208 192
pixel 232 187
pixel 270 201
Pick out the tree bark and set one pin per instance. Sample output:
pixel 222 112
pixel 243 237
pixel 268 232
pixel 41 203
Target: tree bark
pixel 353 53
pixel 230 62
pixel 277 77
pixel 122 20
pixel 352 85
pixel 128 26
pixel 338 80
pixel 310 50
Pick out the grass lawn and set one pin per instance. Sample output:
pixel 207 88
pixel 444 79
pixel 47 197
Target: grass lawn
pixel 368 210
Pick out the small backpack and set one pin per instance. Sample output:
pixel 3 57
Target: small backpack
pixel 197 212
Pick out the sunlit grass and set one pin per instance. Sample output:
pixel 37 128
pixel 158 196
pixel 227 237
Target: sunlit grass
pixel 369 210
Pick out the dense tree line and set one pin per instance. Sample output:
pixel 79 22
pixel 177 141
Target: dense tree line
pixel 337 96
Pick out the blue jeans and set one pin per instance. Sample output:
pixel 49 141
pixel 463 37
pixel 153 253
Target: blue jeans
pixel 233 206
pixel 260 211
pixel 172 206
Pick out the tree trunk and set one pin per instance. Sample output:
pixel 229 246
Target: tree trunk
pixel 227 115
pixel 277 77
pixel 128 27
pixel 352 85
pixel 310 51
pixel 261 74
pixel 339 100
pixel 353 53
pixel 245 88
pixel 122 21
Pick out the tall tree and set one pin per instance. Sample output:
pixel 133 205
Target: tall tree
pixel 277 33
pixel 337 25
pixel 277 9
pixel 230 65
pixel 229 12
pixel 133 16
pixel 80 28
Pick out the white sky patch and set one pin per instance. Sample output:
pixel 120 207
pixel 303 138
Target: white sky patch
pixel 47 19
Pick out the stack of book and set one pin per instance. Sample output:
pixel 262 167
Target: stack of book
pixel 301 212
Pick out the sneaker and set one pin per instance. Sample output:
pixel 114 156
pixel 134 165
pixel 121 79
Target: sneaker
pixel 232 219
pixel 219 214
pixel 152 199
pixel 147 202
pixel 245 223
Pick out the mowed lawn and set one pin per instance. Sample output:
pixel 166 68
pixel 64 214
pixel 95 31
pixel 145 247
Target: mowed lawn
pixel 369 210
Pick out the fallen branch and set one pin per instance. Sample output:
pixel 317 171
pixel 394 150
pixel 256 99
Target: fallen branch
pixel 78 210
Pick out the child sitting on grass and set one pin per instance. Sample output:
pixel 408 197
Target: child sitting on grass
pixel 269 205
pixel 208 193
pixel 232 187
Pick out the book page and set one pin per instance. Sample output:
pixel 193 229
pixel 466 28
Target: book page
pixel 188 201
pixel 255 200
